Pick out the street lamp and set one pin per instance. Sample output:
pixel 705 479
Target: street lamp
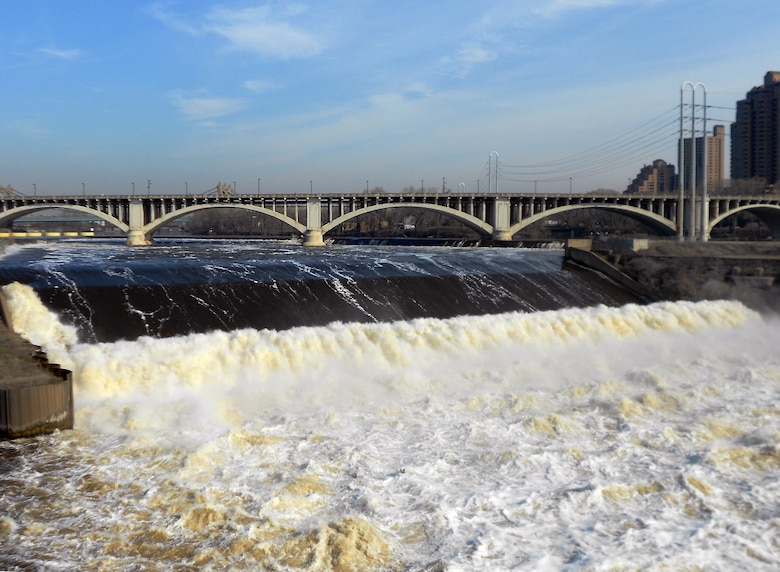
pixel 83 189
pixel 258 186
pixel 148 186
pixel 569 185
pixel 133 188
pixel 186 188
pixel 311 188
pixel 35 191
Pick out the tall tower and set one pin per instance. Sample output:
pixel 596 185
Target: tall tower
pixel 715 147
pixel 755 135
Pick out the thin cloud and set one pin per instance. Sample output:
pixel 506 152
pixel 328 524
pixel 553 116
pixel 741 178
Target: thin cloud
pixel 27 129
pixel 467 58
pixel 61 54
pixel 259 86
pixel 258 31
pixel 556 8
pixel 172 21
pixel 199 108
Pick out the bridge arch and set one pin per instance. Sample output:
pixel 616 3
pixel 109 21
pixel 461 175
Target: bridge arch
pixel 770 214
pixel 149 229
pixel 655 221
pixel 473 222
pixel 18 212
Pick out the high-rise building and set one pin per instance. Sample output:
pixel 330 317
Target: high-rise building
pixel 755 135
pixel 656 178
pixel 715 150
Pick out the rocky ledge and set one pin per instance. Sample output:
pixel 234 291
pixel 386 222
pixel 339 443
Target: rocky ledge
pixel 672 270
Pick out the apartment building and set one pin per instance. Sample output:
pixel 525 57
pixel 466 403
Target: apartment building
pixel 715 159
pixel 755 135
pixel 656 178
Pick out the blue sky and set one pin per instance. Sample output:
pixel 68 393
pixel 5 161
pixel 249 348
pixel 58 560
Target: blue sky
pixel 330 94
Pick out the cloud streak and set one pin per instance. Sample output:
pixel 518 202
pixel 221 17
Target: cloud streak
pixel 69 55
pixel 467 58
pixel 558 8
pixel 258 30
pixel 201 108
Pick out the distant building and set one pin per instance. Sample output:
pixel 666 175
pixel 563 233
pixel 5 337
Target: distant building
pixel 656 178
pixel 715 155
pixel 755 135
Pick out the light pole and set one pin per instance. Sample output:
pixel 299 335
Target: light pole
pixel 569 185
pixel 35 191
pixel 133 184
pixel 148 187
pixel 490 169
pixel 311 188
pixel 258 186
pixel 186 188
pixel 83 189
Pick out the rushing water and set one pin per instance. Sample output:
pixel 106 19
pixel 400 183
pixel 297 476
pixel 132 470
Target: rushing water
pixel 607 436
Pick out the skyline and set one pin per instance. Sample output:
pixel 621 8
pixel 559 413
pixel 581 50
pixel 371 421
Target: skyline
pixel 339 95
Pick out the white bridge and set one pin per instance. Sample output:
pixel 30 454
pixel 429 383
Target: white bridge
pixel 496 216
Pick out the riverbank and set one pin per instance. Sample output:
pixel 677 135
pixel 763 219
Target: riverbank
pixel 669 270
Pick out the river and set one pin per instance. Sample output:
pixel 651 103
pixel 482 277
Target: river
pixel 378 408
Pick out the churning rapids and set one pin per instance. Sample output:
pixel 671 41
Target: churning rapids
pixel 249 406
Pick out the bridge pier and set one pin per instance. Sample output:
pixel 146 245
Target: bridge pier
pixel 137 237
pixel 502 234
pixel 313 237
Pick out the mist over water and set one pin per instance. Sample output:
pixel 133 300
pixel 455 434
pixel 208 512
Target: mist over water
pixel 598 438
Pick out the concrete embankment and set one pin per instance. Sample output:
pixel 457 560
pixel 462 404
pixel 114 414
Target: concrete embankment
pixel 669 270
pixel 36 396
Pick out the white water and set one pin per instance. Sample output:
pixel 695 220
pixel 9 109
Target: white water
pixel 598 439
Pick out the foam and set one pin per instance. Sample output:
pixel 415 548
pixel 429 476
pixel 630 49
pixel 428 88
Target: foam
pixel 601 438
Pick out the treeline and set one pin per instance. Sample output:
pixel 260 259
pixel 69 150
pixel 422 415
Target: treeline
pixel 390 222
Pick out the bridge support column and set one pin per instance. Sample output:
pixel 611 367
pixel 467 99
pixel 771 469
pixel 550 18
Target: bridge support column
pixel 501 219
pixel 502 235
pixel 313 237
pixel 137 237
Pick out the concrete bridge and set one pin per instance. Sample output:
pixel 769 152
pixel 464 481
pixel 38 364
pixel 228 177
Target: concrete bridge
pixel 497 216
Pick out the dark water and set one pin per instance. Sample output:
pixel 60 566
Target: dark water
pixel 111 292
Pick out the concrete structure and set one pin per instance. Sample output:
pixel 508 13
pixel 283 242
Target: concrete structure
pixel 755 135
pixel 714 162
pixel 653 179
pixel 36 396
pixel 35 406
pixel 494 216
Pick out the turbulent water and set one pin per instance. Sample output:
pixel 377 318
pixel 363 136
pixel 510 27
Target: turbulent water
pixel 602 437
